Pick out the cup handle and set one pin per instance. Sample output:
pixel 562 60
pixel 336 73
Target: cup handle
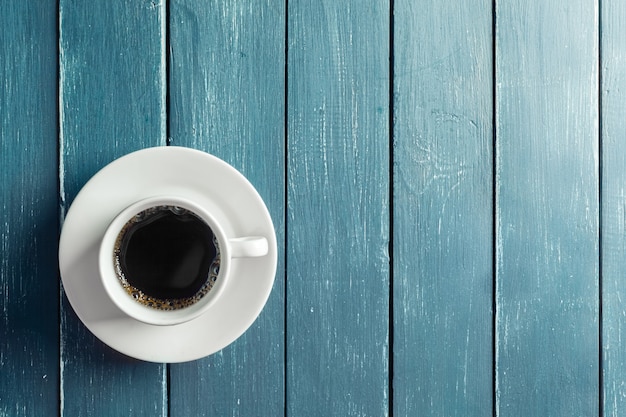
pixel 248 247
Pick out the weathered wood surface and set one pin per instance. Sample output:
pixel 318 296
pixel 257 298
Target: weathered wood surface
pixel 443 207
pixel 226 89
pixel 547 323
pixel 446 183
pixel 112 102
pixel 613 198
pixel 338 208
pixel 29 345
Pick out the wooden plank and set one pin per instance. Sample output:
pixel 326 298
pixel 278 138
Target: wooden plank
pixel 613 262
pixel 29 216
pixel 443 206
pixel 112 99
pixel 547 324
pixel 338 208
pixel 227 98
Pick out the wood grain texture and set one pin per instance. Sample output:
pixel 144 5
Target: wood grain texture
pixel 547 208
pixel 338 208
pixel 227 98
pixel 613 88
pixel 82 83
pixel 112 99
pixel 443 206
pixel 29 209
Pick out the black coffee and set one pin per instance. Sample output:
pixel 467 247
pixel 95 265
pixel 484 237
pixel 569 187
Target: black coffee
pixel 167 257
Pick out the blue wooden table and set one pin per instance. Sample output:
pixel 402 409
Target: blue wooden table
pixel 447 181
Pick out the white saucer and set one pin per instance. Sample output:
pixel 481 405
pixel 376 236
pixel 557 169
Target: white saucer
pixel 188 173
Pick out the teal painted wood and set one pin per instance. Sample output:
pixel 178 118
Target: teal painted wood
pixel 443 206
pixel 338 208
pixel 112 99
pixel 227 97
pixel 547 211
pixel 226 91
pixel 613 47
pixel 29 215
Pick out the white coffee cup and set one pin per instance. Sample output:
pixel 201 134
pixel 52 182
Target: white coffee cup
pixel 142 306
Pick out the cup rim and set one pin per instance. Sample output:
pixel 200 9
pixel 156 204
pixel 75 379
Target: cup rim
pixel 120 297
